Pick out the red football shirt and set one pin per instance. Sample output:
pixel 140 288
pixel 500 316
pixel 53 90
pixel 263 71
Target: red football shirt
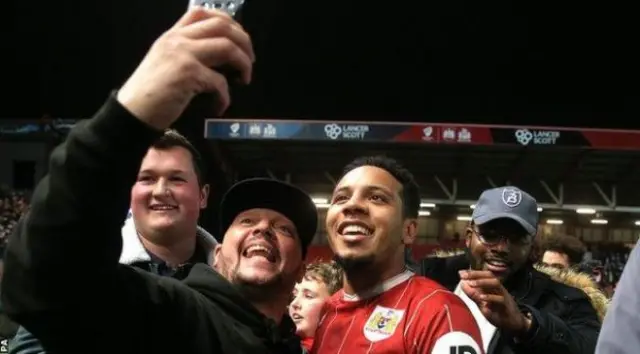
pixel 405 314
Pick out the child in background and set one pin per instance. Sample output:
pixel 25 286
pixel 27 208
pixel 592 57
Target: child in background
pixel 321 280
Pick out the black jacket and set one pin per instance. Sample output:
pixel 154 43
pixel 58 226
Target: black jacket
pixel 565 321
pixel 108 307
pixel 8 328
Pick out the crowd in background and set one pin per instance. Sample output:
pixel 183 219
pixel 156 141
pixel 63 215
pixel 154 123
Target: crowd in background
pixel 12 205
pixel 613 256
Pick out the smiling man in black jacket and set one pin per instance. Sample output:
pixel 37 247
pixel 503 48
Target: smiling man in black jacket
pixel 81 205
pixel 519 309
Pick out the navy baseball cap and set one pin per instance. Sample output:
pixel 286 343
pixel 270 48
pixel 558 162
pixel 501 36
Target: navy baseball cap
pixel 507 202
pixel 266 193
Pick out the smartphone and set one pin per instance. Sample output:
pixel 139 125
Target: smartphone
pixel 229 6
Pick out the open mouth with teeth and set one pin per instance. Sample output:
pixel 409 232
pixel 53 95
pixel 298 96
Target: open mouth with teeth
pixel 260 251
pixel 497 265
pixel 354 230
pixel 296 317
pixel 163 207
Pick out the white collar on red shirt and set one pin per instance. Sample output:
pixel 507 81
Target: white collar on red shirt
pixel 380 288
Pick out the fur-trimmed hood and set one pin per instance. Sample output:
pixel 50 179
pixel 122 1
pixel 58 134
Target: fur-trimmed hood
pixel 582 281
pixel 569 277
pixel 133 250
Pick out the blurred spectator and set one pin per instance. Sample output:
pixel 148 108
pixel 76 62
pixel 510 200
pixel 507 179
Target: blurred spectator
pixel 12 205
pixel 562 251
pixel 613 256
pixel 595 269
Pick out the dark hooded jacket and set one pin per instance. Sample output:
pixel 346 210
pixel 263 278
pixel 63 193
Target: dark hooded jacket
pixel 565 319
pixel 110 307
pixel 8 328
pixel 133 253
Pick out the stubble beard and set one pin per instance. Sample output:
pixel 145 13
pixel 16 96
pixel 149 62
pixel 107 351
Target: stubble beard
pixel 257 291
pixel 354 264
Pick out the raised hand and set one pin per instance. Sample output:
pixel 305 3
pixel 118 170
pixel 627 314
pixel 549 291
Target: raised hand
pixel 179 66
pixel 494 301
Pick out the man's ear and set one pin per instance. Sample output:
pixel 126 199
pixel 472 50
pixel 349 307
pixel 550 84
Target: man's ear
pixel 410 231
pixel 204 196
pixel 216 255
pixel 468 234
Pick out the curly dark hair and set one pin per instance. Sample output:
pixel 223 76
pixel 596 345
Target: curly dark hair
pixel 410 193
pixel 565 244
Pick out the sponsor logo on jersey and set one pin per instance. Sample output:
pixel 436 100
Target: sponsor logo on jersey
pixel 456 343
pixel 382 323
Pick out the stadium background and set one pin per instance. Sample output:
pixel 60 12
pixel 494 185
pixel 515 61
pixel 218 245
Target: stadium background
pixel 455 66
pixel 583 179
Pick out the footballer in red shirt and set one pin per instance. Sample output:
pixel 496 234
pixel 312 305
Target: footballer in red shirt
pixel 384 307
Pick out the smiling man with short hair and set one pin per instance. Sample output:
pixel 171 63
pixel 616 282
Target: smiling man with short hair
pixel 383 306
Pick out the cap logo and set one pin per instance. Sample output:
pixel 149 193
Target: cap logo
pixel 511 197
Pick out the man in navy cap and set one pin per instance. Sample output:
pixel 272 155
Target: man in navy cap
pixel 518 309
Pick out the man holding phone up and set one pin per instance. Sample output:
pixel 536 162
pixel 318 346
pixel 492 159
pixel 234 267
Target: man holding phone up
pixel 112 308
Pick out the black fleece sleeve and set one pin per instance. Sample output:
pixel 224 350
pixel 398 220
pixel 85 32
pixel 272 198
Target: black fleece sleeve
pixel 62 278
